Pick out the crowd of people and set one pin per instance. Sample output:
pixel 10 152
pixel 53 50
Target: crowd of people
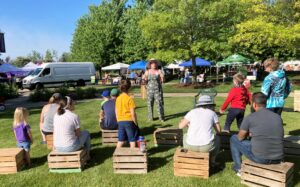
pixel 260 133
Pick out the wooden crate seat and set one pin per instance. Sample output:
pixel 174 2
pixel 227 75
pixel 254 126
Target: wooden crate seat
pixel 191 163
pixel 291 146
pixel 11 160
pixel 109 137
pixel 49 141
pixel 168 137
pixel 130 161
pixel 273 175
pixel 65 162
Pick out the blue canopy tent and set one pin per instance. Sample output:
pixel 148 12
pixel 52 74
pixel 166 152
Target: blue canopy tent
pixel 8 68
pixel 199 62
pixel 138 65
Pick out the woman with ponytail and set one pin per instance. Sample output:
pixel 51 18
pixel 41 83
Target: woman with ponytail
pixel 67 136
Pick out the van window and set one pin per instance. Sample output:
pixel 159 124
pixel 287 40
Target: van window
pixel 46 72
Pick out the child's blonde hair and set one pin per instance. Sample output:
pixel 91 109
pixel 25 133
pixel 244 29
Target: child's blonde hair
pixel 239 78
pixel 20 116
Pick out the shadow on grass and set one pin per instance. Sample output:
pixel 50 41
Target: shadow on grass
pixel 38 161
pixel 95 135
pixel 295 132
pixel 172 116
pixel 296 162
pixel 158 162
pixel 144 131
pixel 288 110
pixel 99 155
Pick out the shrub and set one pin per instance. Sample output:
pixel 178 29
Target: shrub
pixel 90 93
pixel 8 91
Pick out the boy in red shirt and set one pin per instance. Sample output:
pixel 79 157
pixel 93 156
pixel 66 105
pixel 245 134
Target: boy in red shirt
pixel 238 97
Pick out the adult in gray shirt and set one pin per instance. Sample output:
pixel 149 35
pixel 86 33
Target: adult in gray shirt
pixel 47 115
pixel 266 131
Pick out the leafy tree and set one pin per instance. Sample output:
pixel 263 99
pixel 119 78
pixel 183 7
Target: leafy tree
pixel 98 36
pixel 20 61
pixel 35 56
pixel 135 46
pixel 48 56
pixel 65 57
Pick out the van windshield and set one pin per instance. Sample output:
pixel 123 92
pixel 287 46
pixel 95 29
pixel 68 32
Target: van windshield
pixel 36 72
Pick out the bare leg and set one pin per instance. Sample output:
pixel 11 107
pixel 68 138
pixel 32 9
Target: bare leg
pixel 120 144
pixel 132 144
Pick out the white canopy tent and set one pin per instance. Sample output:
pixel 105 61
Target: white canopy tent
pixel 30 66
pixel 117 66
pixel 293 65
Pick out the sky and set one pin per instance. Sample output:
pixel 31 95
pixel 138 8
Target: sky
pixel 40 24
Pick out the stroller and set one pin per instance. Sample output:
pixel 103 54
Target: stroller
pixel 2 105
pixel 209 91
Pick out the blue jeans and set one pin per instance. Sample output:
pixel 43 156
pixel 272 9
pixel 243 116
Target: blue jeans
pixel 24 145
pixel 128 131
pixel 239 148
pixel 84 141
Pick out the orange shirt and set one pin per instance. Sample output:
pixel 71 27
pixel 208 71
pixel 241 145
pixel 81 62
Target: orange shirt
pixel 124 104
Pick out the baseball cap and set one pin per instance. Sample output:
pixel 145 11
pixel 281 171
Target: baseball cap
pixel 114 92
pixel 205 100
pixel 105 93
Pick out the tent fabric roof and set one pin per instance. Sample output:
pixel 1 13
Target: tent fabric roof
pixel 116 66
pixel 8 68
pixel 199 62
pixel 30 66
pixel 138 65
pixel 174 65
pixel 235 59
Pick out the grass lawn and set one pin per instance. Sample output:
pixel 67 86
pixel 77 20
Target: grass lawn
pixel 99 171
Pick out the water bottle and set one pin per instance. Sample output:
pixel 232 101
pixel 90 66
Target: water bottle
pixel 142 143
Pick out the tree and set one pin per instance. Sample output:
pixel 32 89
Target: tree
pixel 48 56
pixel 20 61
pixel 35 56
pixel 135 46
pixel 98 36
pixel 191 27
pixel 65 57
pixel 7 59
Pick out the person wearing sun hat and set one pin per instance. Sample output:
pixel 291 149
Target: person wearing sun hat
pixel 108 120
pixel 200 122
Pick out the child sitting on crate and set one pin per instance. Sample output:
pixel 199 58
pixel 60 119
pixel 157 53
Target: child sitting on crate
pixel 126 117
pixel 22 131
pixel 200 122
pixel 238 97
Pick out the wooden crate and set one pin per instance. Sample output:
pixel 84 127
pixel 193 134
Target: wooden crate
pixel 67 162
pixel 49 141
pixel 225 139
pixel 130 161
pixel 274 175
pixel 191 164
pixel 109 137
pixel 168 136
pixel 297 100
pixel 291 145
pixel 11 160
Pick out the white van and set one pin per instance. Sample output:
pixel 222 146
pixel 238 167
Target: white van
pixel 57 74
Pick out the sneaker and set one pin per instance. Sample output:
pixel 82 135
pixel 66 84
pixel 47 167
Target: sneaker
pixel 238 173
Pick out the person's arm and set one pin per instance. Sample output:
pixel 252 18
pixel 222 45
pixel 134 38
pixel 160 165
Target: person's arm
pixel 162 77
pixel 217 128
pixel 77 132
pixel 227 101
pixel 101 114
pixel 15 134
pixel 134 116
pixel 77 126
pixel 30 135
pixel 42 117
pixel 242 134
pixel 145 76
pixel 266 87
pixel 244 129
pixel 184 123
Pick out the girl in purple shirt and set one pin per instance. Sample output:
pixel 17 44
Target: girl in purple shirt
pixel 22 131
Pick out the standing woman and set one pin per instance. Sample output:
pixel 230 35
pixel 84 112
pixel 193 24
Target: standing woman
pixel 47 115
pixel 154 78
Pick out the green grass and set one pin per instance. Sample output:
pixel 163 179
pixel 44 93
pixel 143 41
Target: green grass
pixel 99 171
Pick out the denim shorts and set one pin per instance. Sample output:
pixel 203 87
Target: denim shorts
pixel 128 131
pixel 24 145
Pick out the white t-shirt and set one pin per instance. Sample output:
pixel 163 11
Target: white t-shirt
pixel 64 129
pixel 200 131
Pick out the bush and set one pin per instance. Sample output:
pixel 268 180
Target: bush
pixel 8 91
pixel 90 93
pixel 40 95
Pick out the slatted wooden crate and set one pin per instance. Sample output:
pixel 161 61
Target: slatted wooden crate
pixel 225 139
pixel 291 146
pixel 67 162
pixel 191 164
pixel 49 141
pixel 109 137
pixel 168 137
pixel 297 100
pixel 130 161
pixel 11 160
pixel 274 175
